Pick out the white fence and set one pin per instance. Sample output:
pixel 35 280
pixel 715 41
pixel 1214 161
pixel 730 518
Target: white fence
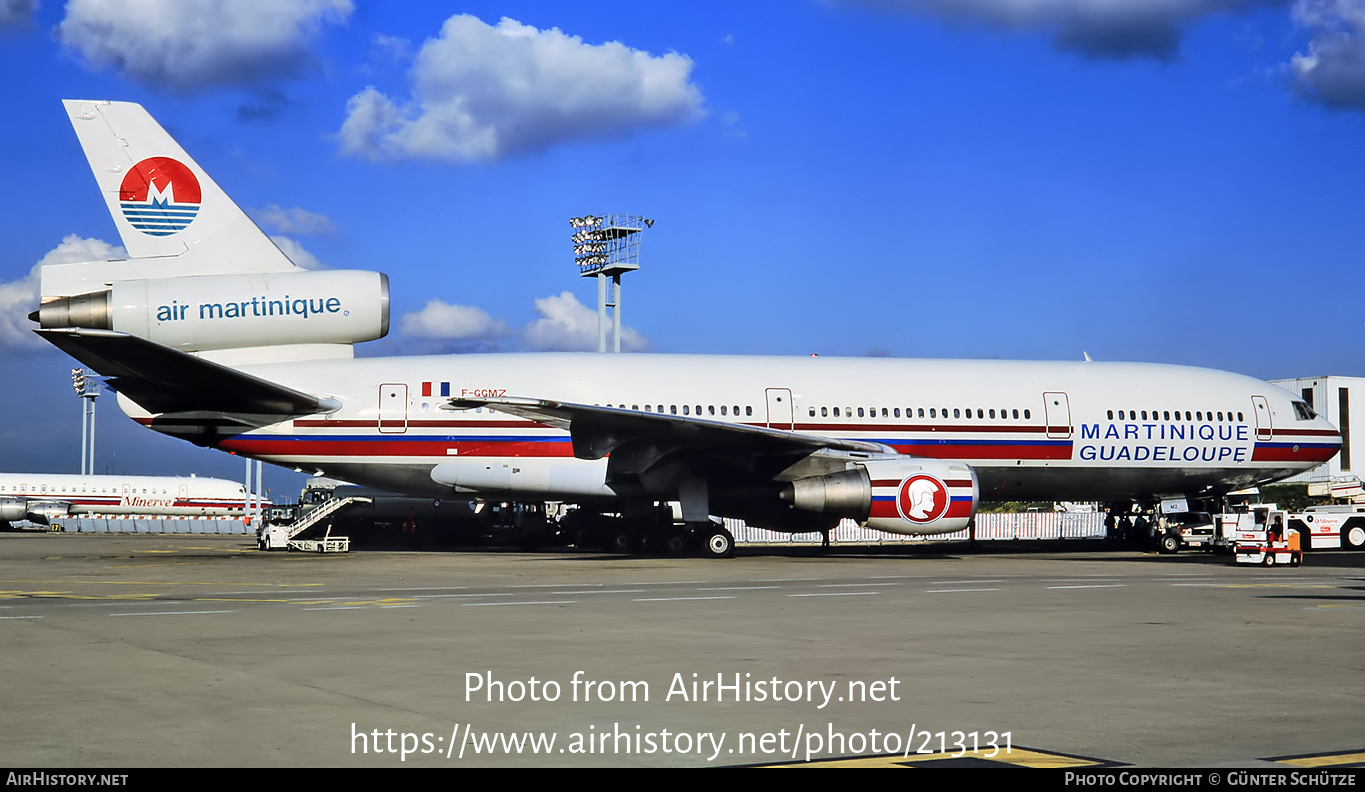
pixel 151 525
pixel 985 527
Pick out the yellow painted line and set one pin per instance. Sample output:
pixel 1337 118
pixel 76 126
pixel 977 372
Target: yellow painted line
pixel 23 594
pixel 237 599
pixel 138 597
pixel 1018 757
pixel 167 583
pixel 357 603
pixel 1333 760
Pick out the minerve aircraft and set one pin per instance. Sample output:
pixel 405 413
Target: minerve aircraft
pixel 209 333
pixel 43 497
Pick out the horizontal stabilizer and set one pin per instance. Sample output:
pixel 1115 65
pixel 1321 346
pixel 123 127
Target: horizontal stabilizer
pixel 165 380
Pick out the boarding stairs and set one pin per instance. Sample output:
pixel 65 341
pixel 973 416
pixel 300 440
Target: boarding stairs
pixel 276 537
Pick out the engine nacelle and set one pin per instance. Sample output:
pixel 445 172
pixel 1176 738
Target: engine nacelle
pixel 208 312
pixel 896 494
pixel 13 510
pixel 44 512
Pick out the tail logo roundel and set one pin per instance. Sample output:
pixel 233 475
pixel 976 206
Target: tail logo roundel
pixel 922 498
pixel 159 196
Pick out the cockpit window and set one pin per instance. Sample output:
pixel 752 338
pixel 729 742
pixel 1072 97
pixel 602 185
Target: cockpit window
pixel 1303 412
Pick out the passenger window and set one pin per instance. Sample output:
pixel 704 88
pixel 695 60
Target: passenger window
pixel 685 409
pixel 1016 415
pixel 673 409
pixel 957 413
pixel 1111 415
pixel 711 409
pixel 860 412
pixel 1026 415
pixel 748 410
pixel 897 412
pixel 836 412
pixel 812 411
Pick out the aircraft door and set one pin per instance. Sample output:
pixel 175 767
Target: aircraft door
pixel 393 408
pixel 780 413
pixel 1265 429
pixel 1057 409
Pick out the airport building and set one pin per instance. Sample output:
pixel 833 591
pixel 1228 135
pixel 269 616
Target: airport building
pixel 1330 397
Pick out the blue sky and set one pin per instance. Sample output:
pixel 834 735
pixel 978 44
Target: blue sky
pixel 1160 180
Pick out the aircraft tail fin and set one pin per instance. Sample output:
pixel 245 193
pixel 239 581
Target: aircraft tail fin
pixel 162 202
pixel 201 277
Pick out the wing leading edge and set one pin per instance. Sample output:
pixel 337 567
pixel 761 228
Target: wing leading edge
pixel 598 431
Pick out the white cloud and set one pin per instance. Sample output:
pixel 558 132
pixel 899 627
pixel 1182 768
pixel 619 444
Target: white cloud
pixel 296 253
pixel 441 320
pixel 1333 71
pixel 483 93
pixel 1094 28
pixel 294 220
pixel 194 43
pixel 17 12
pixel 19 298
pixel 566 325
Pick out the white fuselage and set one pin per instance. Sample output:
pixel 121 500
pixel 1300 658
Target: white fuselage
pixel 45 495
pixel 1031 430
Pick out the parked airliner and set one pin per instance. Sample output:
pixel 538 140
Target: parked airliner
pixel 209 333
pixel 43 497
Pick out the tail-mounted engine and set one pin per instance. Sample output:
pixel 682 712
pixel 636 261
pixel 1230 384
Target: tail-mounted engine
pixel 896 494
pixel 207 312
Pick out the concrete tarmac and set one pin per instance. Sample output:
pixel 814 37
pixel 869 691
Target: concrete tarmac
pixel 179 651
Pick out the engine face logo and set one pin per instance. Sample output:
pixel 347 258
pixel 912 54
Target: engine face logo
pixel 922 498
pixel 160 196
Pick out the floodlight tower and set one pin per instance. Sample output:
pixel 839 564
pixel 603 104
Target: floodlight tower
pixel 88 388
pixel 607 246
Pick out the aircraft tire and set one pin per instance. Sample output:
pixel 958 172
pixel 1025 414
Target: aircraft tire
pixel 620 541
pixel 675 543
pixel 718 543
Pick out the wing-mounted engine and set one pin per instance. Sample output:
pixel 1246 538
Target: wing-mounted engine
pixel 44 512
pixel 13 509
pixel 896 494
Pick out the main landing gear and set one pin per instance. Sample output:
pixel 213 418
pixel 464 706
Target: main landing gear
pixel 647 534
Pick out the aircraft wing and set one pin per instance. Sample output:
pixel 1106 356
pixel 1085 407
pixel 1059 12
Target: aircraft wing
pixel 165 380
pixel 598 431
